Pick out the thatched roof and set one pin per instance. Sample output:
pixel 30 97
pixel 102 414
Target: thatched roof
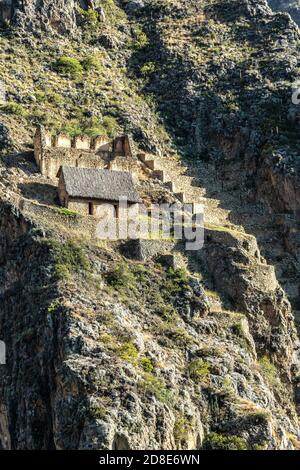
pixel 92 183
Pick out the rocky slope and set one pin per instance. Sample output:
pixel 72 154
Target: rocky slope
pixel 290 6
pixel 108 352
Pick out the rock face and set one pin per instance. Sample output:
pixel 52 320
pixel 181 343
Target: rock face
pixel 290 6
pixel 98 373
pixel 5 140
pixel 59 16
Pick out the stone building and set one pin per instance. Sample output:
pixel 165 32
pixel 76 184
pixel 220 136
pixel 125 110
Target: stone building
pixel 53 151
pixel 88 190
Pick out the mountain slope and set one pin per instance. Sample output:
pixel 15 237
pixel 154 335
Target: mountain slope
pixel 290 6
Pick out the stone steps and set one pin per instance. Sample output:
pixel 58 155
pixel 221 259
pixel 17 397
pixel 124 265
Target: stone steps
pixel 184 188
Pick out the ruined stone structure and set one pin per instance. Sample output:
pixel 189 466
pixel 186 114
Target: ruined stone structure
pixel 53 151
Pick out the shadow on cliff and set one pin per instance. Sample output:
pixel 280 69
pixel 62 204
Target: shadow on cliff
pixel 229 136
pixel 23 161
pixel 43 193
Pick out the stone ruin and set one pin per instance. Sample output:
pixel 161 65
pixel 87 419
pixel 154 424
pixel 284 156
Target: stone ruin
pixel 53 151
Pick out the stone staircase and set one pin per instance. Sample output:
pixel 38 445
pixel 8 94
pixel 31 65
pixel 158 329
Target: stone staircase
pixel 158 172
pixel 174 175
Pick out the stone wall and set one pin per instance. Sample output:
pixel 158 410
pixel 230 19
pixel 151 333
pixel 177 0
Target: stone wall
pixel 122 147
pixel 53 151
pixel 126 164
pixel 99 209
pixel 143 250
pixel 78 205
pixel 53 159
pixel 62 194
pixel 54 218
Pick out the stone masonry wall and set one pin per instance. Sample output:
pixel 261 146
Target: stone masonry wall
pixel 53 151
pixel 53 159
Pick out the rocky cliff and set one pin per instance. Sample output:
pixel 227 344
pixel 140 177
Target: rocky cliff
pixel 39 16
pixel 290 6
pixel 110 352
pixel 106 354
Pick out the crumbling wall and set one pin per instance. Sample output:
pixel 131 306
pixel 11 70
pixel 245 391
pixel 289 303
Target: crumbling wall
pixel 122 147
pixel 102 144
pixel 53 151
pixel 62 194
pixel 99 208
pixel 126 164
pixel 143 250
pixel 53 159
pixel 53 218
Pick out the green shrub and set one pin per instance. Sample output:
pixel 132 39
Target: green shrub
pixel 151 385
pixel 107 339
pixel 67 212
pixel 113 12
pixel 40 96
pixel 140 38
pixel 120 277
pixel 98 411
pixel 147 69
pixel 72 129
pixel 56 99
pixel 91 62
pixel 111 125
pixel 161 307
pixel 199 370
pixel 128 352
pixel 95 131
pixel 182 428
pixel 166 311
pixel 176 282
pixel 216 441
pixel 180 337
pixel 53 307
pixel 90 16
pixel 147 365
pixel 15 108
pixel 69 66
pixel 93 127
pixel 177 275
pixel 69 258
pixel 268 370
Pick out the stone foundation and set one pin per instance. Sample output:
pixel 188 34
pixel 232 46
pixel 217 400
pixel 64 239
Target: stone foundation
pixel 143 250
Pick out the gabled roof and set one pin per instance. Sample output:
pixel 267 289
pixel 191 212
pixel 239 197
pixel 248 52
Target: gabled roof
pixel 92 183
